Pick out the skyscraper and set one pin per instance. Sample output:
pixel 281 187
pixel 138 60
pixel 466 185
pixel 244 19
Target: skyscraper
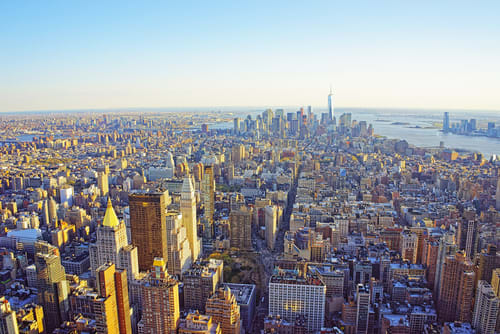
pixel 102 183
pixel 112 245
pixel 51 284
pixel 488 261
pixel 291 295
pixel 208 192
pixel 240 227
pixel 362 308
pixel 330 105
pixel 456 291
pixel 8 320
pixel 224 309
pixel 271 219
pixel 189 220
pixel 160 301
pixel 112 283
pixel 147 226
pixel 468 237
pixel 52 211
pixel 446 122
pixel 497 194
pixel 446 247
pixel 409 242
pixel 179 252
pixel 485 309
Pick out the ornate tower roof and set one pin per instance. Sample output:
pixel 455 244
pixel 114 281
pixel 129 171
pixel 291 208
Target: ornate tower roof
pixel 110 218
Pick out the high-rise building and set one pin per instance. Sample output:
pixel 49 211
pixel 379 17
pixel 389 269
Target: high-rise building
pixel 495 285
pixel 468 237
pixel 488 261
pixel 224 309
pixel 485 309
pixel 446 122
pixel 291 295
pixel 238 153
pixel 456 293
pixel 362 308
pixel 240 225
pixel 446 247
pixel 330 105
pixel 409 243
pixel 66 195
pixel 201 282
pixel 52 286
pixel 52 211
pixel 108 305
pixel 189 220
pixel 102 183
pixel 497 194
pixel 160 301
pixel 147 226
pixel 208 193
pixel 271 219
pixel 495 282
pixel 112 283
pixel 112 245
pixel 196 323
pixel 236 125
pixel 8 320
pixel 179 252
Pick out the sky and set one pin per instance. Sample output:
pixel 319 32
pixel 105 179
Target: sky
pixel 62 55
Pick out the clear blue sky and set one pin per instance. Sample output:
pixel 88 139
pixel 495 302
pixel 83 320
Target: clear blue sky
pixel 111 54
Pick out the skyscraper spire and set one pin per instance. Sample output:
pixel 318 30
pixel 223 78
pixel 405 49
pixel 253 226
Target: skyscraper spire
pixel 330 105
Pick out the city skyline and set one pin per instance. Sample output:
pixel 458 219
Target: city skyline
pixel 80 56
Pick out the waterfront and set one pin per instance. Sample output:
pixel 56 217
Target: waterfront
pixel 417 127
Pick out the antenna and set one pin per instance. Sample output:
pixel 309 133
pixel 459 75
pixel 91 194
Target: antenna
pixel 330 89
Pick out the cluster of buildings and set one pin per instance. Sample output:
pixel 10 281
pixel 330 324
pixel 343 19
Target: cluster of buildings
pixel 470 127
pixel 280 223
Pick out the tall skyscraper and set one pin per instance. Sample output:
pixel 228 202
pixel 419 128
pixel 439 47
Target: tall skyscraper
pixel 52 286
pixel 238 153
pixel 240 227
pixel 291 295
pixel 160 301
pixel 179 252
pixel 208 193
pixel 224 309
pixel 495 285
pixel 236 125
pixel 330 105
pixel 112 245
pixel 456 292
pixel 113 284
pixel 446 122
pixel 468 237
pixel 52 211
pixel 485 309
pixel 102 183
pixel 497 195
pixel 189 220
pixel 362 308
pixel 488 261
pixel 271 219
pixel 147 226
pixel 446 247
pixel 8 320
